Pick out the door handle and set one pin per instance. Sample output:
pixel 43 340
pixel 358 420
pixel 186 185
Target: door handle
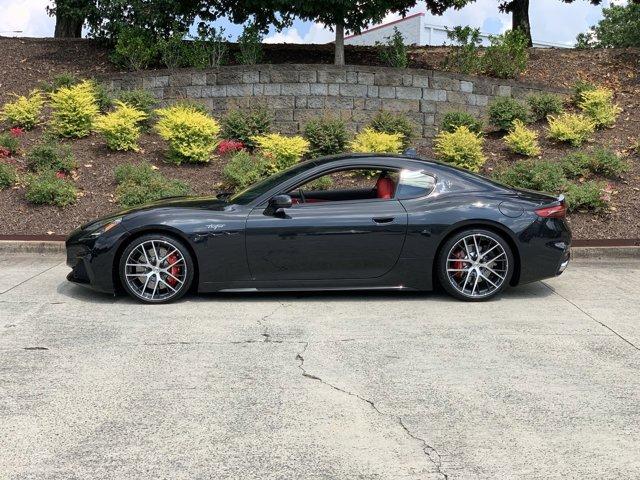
pixel 380 220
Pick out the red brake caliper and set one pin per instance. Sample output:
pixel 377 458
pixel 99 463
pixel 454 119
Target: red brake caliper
pixel 458 264
pixel 175 270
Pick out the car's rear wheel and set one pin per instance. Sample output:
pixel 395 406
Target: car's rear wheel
pixel 156 268
pixel 475 265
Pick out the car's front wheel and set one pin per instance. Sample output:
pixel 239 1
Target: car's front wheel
pixel 156 269
pixel 475 265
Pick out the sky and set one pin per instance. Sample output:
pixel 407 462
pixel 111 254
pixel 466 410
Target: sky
pixel 551 21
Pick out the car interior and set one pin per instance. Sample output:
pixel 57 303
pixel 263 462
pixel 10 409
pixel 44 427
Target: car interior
pixel 361 184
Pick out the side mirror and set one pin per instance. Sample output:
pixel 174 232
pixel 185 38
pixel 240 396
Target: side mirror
pixel 277 205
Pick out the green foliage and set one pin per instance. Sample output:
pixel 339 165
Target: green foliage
pixel 243 125
pixel 24 111
pixel 326 136
pixel 372 141
pixel 121 128
pixel 135 49
pixel 73 110
pixel 572 128
pixel 454 119
pixel 589 195
pixel 542 105
pixel 140 99
pixel 522 140
pixel 579 88
pixel 174 51
pixel 10 143
pixel 250 46
pixel 281 152
pixel 600 161
pixel 46 188
pixel 464 58
pixel 192 105
pixel 192 135
pixel 50 156
pixel 506 56
pixel 210 48
pixel 462 148
pixel 542 175
pixel 619 28
pixel 140 183
pixel 8 175
pixel 598 105
pixel 394 123
pixel 102 96
pixel 244 169
pixel 393 52
pixel 321 183
pixel 504 110
pixel 576 164
pixel 62 80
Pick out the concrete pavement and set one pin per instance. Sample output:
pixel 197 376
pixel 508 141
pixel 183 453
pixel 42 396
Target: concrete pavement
pixel 543 383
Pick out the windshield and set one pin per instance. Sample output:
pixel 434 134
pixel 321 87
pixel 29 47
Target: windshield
pixel 249 194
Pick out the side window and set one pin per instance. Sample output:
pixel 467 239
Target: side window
pixel 348 184
pixel 415 183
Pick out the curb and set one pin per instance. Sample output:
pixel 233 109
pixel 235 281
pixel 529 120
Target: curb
pixel 52 247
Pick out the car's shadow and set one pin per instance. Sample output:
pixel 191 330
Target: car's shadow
pixel 86 295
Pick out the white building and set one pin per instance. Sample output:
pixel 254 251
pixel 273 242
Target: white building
pixel 416 31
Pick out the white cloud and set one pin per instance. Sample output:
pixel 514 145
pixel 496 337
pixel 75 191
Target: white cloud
pixel 316 34
pixel 28 17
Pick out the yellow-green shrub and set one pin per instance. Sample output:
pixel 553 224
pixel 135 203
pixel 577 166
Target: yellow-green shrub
pixel 73 110
pixel 570 127
pixel 598 105
pixel 24 111
pixel 192 135
pixel 371 141
pixel 121 128
pixel 462 147
pixel 522 140
pixel 281 151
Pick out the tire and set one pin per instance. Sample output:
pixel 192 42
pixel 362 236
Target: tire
pixel 148 281
pixel 468 276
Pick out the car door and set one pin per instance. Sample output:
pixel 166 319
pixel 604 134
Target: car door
pixel 356 239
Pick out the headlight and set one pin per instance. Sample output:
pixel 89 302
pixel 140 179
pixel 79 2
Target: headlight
pixel 103 227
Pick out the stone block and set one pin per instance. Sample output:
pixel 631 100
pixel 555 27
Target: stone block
pixel 409 93
pixel 209 91
pixel 239 90
pixel 365 78
pixel 466 87
pixel 388 79
pixel 443 82
pixel 332 76
pixel 301 102
pixel 396 105
pixel 283 114
pixel 287 128
pixel 434 95
pixel 352 77
pixel 281 102
pixel 284 76
pixel 308 76
pixel 162 81
pixel 198 78
pixel 502 90
pixel 407 80
pixel 318 89
pixel 315 102
pixel 193 91
pixel 427 106
pixel 421 81
pixel 458 97
pixel 353 90
pixel 372 104
pixel 271 89
pixel 295 89
pixel 386 92
pixel 229 78
pixel 338 102
pixel 212 79
pixel 333 89
pixel 373 91
pixel 251 77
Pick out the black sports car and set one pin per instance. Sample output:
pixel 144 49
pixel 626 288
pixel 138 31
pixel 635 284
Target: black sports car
pixel 341 222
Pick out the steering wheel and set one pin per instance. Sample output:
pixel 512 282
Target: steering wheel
pixel 301 193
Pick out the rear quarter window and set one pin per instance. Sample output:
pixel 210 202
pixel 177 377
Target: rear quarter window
pixel 415 183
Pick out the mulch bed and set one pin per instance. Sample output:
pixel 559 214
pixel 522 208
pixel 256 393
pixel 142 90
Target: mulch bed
pixel 26 63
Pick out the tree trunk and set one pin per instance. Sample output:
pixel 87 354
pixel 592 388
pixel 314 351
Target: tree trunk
pixel 520 18
pixel 339 47
pixel 68 27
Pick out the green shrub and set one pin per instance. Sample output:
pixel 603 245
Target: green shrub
pixel 522 140
pixel 121 128
pixel 210 48
pixel 282 152
pixel 462 148
pixel 243 125
pixel 571 128
pixel 135 49
pixel 506 56
pixel 24 111
pixel 8 175
pixel 102 96
pixel 50 156
pixel 174 51
pixel 576 164
pixel 603 161
pixel 9 143
pixel 371 141
pixel 504 110
pixel 586 196
pixel 250 46
pixel 542 105
pixel 539 175
pixel 46 188
pixel 598 105
pixel 579 88
pixel 464 58
pixel 244 169
pixel 139 99
pixel 322 183
pixel 326 136
pixel 140 183
pixel 73 110
pixel 62 80
pixel 394 123
pixel 393 52
pixel 455 119
pixel 192 135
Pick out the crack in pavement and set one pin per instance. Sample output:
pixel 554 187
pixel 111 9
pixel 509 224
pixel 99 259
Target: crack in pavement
pixel 591 316
pixel 265 328
pixel 432 454
pixel 32 277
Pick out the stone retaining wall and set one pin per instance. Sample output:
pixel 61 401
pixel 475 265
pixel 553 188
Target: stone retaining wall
pixel 297 93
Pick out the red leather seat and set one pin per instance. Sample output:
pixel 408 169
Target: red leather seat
pixel 385 187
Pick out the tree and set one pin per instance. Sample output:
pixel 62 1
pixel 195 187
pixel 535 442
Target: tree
pixel 619 27
pixel 70 16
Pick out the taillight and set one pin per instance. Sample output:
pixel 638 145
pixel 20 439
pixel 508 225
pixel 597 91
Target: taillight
pixel 555 211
